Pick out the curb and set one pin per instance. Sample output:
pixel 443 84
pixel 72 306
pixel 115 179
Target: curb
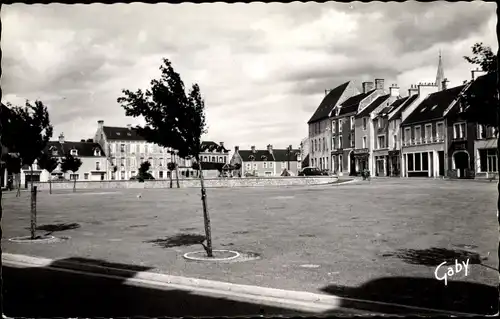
pixel 296 300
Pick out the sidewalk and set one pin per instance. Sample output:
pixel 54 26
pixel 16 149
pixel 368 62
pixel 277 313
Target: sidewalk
pixel 66 288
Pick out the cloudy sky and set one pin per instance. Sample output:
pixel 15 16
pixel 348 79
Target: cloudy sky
pixel 262 68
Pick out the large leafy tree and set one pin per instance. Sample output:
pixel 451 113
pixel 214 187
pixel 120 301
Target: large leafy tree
pixel 72 164
pixel 49 163
pixel 27 133
pixel 174 119
pixel 480 100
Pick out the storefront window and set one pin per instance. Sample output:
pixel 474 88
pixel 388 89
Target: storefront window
pixel 425 162
pixel 410 162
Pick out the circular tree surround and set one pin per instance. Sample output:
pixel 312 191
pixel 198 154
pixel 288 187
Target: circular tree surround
pixel 38 239
pixel 218 255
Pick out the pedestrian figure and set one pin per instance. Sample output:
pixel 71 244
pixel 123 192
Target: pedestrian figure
pixel 10 183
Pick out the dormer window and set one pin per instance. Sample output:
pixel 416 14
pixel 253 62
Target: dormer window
pixel 53 150
pixel 118 133
pixel 251 157
pixel 432 109
pixel 74 152
pixel 128 133
pixel 263 157
pixel 97 152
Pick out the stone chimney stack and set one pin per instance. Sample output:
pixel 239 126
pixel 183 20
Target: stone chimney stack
pixel 444 85
pixel 270 148
pixel 394 90
pixel 425 89
pixel 367 86
pixel 253 149
pixel 236 149
pixel 412 90
pixel 379 84
pixel 100 124
pixel 61 138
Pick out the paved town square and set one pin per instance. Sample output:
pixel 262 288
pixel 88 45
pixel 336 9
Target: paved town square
pixel 324 239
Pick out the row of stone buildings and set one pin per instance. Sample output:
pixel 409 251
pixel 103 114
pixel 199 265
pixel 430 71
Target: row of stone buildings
pixel 116 153
pixel 421 134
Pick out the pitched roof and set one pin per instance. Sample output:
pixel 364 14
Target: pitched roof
pixel 122 133
pixel 433 106
pixel 209 146
pixel 211 166
pixel 278 155
pixel 281 155
pixel 85 149
pixel 372 106
pixel 328 103
pixel 406 101
pixel 351 104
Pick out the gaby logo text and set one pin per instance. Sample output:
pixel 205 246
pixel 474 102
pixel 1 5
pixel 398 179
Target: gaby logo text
pixel 451 271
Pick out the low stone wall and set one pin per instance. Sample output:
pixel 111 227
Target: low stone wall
pixel 192 182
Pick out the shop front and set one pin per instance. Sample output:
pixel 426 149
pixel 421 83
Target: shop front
pixel 381 163
pixel 361 160
pixel 394 167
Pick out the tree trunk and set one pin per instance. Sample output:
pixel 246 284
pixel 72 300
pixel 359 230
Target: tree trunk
pixel 17 177
pixel 50 185
pixel 206 216
pixel 177 176
pixel 74 184
pixel 170 175
pixel 33 207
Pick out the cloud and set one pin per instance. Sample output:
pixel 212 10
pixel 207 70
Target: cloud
pixel 262 68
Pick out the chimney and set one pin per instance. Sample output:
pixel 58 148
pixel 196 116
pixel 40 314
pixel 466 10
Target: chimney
pixel 90 140
pixel 379 84
pixel 129 126
pixel 367 86
pixel 412 90
pixel 270 148
pixel 394 90
pixel 83 141
pixel 61 138
pixel 236 149
pixel 425 89
pixel 253 149
pixel 100 124
pixel 445 84
pixel 221 144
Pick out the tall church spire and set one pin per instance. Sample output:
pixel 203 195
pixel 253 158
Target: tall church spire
pixel 440 74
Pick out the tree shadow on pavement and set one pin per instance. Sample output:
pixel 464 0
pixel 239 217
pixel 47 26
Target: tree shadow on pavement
pixel 434 256
pixel 52 228
pixel 178 240
pixel 45 292
pixel 459 296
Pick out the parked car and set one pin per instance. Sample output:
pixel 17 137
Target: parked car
pixel 147 176
pixel 310 171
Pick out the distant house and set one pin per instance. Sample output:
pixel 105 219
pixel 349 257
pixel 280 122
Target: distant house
pixel 320 126
pixel 126 150
pixel 94 163
pixel 425 147
pixel 268 162
pixel 214 159
pixel 472 147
